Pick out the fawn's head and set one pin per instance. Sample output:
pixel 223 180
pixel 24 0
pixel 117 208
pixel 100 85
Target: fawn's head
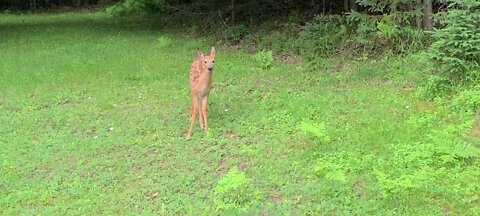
pixel 209 60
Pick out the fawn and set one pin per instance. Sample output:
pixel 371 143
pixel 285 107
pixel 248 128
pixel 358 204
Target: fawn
pixel 200 85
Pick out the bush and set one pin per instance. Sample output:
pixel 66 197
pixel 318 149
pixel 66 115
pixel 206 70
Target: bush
pixel 323 36
pixel 129 7
pixel 456 48
pixel 436 86
pixel 164 41
pixel 263 59
pixel 468 99
pixel 374 34
pixel 235 34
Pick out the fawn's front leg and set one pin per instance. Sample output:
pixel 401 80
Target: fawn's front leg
pixel 205 112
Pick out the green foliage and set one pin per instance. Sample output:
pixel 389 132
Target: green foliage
pixel 323 36
pixel 132 7
pixel 436 86
pixel 414 167
pixel 331 170
pixel 232 193
pixel 456 47
pixel 164 41
pixel 317 130
pixel 264 59
pixel 365 28
pixel 401 186
pixel 387 5
pixel 284 41
pixel 468 99
pixel 231 182
pixel 387 29
pixel 376 34
pixel 235 34
pixel 448 148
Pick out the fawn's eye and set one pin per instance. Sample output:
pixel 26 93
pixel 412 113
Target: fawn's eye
pixel 205 62
pixel 213 61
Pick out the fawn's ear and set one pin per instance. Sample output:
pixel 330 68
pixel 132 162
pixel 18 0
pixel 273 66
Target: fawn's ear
pixel 212 52
pixel 200 55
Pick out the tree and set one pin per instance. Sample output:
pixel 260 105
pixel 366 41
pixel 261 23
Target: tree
pixel 418 18
pixel 427 15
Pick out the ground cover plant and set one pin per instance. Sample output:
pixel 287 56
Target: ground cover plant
pixel 94 111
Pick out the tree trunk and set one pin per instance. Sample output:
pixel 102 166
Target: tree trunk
pixel 346 8
pixel 418 18
pixel 233 12
pixel 427 15
pixel 324 7
pixel 353 5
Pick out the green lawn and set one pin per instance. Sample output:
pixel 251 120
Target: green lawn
pixel 94 112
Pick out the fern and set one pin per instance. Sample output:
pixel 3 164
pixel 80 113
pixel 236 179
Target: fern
pixel 468 100
pixel 450 148
pixel 264 59
pixel 387 28
pixel 456 47
pixel 231 181
pixel 232 193
pixel 317 130
pixel 330 170
pixel 399 186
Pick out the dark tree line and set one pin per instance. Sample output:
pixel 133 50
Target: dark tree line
pixel 43 4
pixel 420 12
pixel 236 10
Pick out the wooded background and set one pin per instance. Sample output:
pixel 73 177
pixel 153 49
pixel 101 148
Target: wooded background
pixel 238 10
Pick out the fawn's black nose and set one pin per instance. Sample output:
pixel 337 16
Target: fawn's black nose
pixel 210 68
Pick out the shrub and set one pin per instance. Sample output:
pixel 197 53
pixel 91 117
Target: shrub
pixel 138 7
pixel 264 59
pixel 235 34
pixel 164 41
pixel 323 36
pixel 374 34
pixel 456 48
pixel 233 194
pixel 468 99
pixel 436 86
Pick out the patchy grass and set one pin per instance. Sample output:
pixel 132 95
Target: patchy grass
pixel 94 113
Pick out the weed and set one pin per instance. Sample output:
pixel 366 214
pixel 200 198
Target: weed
pixel 264 59
pixel 164 41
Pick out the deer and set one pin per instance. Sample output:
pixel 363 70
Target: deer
pixel 201 73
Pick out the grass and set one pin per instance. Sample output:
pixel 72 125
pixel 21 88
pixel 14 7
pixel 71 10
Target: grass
pixel 94 112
